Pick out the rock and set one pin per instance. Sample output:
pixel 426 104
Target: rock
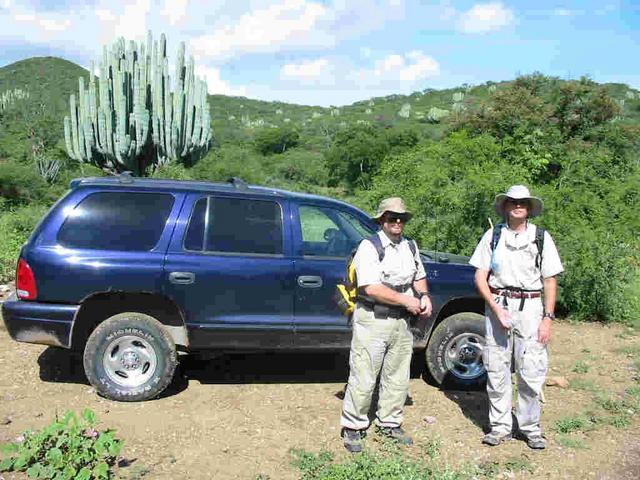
pixel 5 421
pixel 430 420
pixel 557 382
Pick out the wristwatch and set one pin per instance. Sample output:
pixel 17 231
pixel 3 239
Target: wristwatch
pixel 549 315
pixel 423 294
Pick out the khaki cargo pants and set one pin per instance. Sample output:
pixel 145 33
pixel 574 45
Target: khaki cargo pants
pixel 379 346
pixel 531 363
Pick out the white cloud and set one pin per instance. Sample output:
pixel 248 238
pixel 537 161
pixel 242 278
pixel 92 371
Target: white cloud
pixel 46 26
pixel 485 17
pixel 215 84
pixel 307 70
pixel 410 67
pixel 563 12
pixel 266 30
pixel 174 10
pixel 132 24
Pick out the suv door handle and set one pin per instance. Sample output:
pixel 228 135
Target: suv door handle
pixel 310 281
pixel 182 278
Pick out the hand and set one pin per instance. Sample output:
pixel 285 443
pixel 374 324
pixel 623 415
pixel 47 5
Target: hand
pixel 412 304
pixel 504 317
pixel 425 306
pixel 544 331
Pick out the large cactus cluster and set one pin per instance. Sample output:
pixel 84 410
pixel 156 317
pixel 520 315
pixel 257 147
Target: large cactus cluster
pixel 132 120
pixel 9 97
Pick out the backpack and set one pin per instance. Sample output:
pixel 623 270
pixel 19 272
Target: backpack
pixel 539 241
pixel 347 292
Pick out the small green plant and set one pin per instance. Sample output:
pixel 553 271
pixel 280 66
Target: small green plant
pixel 584 384
pixel 367 465
pixel 573 424
pixel 581 367
pixel 433 448
pixel 570 441
pixel 68 448
pixel 519 464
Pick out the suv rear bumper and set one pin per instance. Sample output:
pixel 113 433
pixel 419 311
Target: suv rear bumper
pixel 43 323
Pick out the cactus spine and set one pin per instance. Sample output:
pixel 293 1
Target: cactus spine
pixel 132 119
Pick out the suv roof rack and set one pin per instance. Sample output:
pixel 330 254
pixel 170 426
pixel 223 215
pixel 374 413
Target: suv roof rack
pixel 238 183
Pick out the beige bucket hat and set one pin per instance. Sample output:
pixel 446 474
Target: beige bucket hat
pixel 393 204
pixel 519 192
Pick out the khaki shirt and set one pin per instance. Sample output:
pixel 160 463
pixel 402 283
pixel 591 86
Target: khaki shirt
pixel 398 267
pixel 514 259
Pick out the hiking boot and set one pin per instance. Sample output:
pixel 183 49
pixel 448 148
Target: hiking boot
pixel 352 440
pixel 397 434
pixel 537 442
pixel 493 439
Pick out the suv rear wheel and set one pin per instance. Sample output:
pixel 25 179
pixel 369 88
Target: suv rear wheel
pixel 130 357
pixel 454 352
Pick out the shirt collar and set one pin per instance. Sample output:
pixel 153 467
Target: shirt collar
pixel 386 241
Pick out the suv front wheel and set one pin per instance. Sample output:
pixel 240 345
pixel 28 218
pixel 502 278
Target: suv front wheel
pixel 130 357
pixel 454 352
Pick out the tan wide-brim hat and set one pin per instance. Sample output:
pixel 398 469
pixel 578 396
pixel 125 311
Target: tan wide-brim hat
pixel 394 205
pixel 519 192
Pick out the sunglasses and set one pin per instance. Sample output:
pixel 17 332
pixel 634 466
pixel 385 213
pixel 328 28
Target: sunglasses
pixel 518 201
pixel 396 218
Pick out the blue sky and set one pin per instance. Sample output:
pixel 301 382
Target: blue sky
pixel 336 52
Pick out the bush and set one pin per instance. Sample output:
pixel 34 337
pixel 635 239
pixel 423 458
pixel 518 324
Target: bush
pixel 231 161
pixel 68 448
pixel 20 184
pixel 276 140
pixel 16 226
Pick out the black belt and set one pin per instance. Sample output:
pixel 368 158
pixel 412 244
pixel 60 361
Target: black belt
pixel 383 311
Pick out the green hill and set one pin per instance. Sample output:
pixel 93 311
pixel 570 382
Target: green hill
pixel 51 80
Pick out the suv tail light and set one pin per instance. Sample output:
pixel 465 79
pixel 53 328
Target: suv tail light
pixel 25 281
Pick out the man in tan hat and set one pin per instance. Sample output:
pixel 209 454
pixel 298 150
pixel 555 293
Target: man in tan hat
pixel 516 264
pixel 392 287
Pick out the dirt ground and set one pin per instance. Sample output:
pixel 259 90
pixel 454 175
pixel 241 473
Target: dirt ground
pixel 238 416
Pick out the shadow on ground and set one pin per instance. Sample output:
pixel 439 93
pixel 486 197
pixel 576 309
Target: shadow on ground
pixel 63 366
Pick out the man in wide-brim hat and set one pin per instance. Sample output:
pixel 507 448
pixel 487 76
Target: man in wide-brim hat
pixel 392 287
pixel 516 268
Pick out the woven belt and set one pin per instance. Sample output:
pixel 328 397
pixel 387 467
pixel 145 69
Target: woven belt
pixel 511 293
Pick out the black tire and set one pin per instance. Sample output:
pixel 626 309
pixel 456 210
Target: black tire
pixel 130 357
pixel 454 351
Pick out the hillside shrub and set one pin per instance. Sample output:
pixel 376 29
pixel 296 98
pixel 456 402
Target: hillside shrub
pixel 276 140
pixel 16 225
pixel 68 448
pixel 20 184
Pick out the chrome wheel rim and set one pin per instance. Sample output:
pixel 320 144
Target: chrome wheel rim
pixel 463 356
pixel 129 361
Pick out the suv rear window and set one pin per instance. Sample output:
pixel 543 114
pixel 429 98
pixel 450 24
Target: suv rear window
pixel 235 225
pixel 117 221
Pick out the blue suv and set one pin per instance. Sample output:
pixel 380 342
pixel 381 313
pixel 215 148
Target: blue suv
pixel 133 271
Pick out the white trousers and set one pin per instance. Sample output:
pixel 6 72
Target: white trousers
pixel 531 363
pixel 380 346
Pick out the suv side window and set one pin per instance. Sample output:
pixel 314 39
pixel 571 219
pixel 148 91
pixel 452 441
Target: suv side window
pixel 327 232
pixel 122 221
pixel 235 225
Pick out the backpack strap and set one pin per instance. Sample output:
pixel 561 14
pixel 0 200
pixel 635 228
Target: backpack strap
pixel 540 245
pixel 495 236
pixel 375 239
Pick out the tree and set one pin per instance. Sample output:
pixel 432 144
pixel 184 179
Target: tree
pixel 356 155
pixel 276 140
